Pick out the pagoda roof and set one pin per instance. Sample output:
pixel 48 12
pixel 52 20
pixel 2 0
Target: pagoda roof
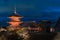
pixel 16 15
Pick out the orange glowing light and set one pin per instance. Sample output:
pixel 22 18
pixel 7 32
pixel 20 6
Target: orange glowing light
pixel 15 23
pixel 15 18
pixel 35 29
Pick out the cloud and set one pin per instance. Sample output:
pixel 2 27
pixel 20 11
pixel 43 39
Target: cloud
pixel 25 6
pixel 5 9
pixel 52 9
pixel 54 0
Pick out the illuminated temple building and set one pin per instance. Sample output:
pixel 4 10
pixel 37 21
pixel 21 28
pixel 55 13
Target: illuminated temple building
pixel 15 21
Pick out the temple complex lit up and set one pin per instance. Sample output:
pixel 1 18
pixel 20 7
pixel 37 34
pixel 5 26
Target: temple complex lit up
pixel 14 24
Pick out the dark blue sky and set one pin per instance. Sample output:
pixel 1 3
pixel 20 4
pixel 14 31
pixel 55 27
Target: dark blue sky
pixel 40 9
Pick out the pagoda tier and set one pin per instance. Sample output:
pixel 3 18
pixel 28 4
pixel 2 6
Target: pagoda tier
pixel 15 18
pixel 14 23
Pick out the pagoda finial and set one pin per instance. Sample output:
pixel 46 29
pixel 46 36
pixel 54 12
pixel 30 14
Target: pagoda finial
pixel 15 9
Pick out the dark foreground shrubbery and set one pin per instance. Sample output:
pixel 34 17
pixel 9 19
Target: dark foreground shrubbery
pixel 14 36
pixel 9 36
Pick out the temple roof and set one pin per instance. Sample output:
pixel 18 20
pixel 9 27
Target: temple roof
pixel 16 15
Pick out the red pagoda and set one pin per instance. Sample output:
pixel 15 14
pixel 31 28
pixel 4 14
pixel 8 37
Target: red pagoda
pixel 15 21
